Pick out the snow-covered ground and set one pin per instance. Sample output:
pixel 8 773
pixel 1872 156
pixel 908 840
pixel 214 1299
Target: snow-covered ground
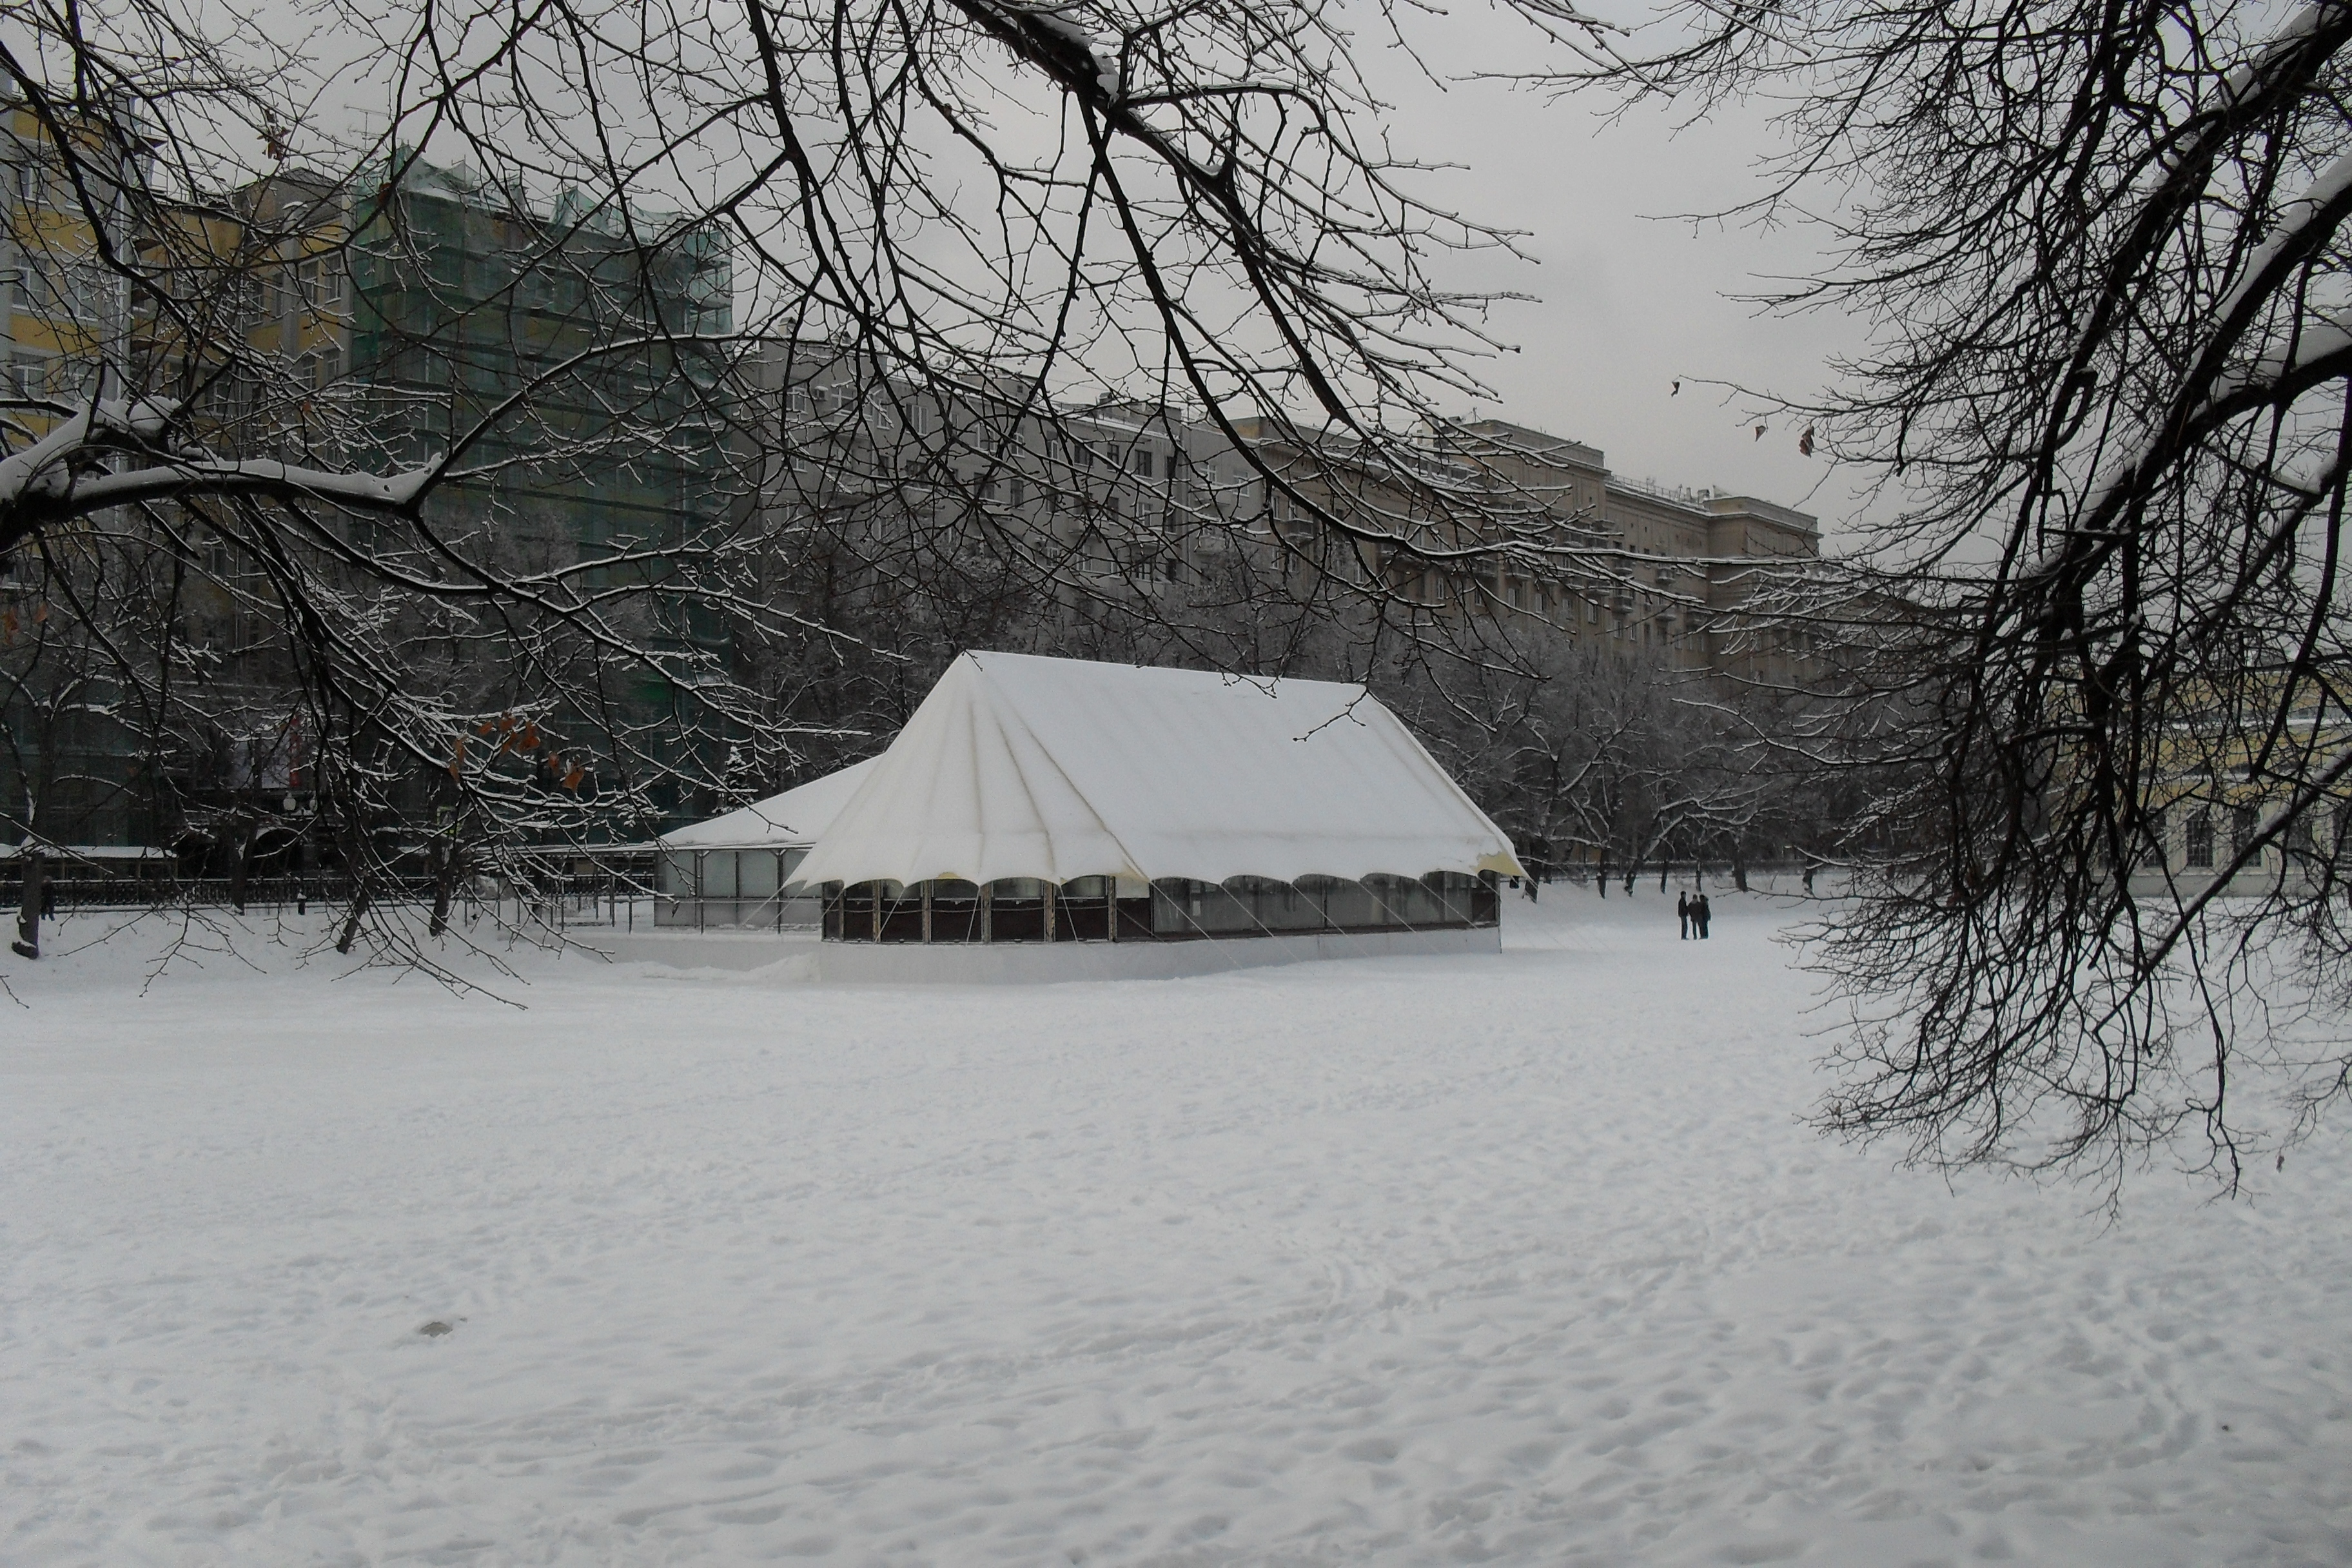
pixel 1519 1258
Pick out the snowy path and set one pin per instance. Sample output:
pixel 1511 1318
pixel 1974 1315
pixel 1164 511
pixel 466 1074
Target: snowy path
pixel 1521 1260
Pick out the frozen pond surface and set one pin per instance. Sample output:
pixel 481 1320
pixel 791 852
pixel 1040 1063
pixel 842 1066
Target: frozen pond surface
pixel 1515 1259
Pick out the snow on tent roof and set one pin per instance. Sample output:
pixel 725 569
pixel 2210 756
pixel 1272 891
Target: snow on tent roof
pixel 796 816
pixel 1019 766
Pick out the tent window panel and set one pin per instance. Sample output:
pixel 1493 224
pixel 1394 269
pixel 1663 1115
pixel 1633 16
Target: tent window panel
pixel 1016 910
pixel 1351 905
pixel 1277 906
pixel 854 917
pixel 1221 911
pixel 792 859
pixel 1441 893
pixel 755 874
pixel 1172 908
pixel 902 913
pixel 1412 902
pixel 955 911
pixel 1455 895
pixel 673 877
pixel 718 874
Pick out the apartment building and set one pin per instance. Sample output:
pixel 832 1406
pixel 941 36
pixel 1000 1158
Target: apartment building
pixel 1514 522
pixel 301 317
pixel 1143 497
pixel 66 756
pixel 1691 558
pixel 64 310
pixel 1124 493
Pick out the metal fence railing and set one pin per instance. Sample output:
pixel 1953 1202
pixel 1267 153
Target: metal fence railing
pixel 557 901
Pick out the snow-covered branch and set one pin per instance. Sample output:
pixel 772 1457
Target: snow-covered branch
pixel 117 453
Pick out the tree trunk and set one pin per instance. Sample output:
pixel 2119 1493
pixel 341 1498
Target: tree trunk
pixel 240 870
pixel 28 910
pixel 351 922
pixel 444 882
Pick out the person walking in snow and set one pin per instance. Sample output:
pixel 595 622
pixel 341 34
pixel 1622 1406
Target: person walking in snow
pixel 1700 914
pixel 1683 913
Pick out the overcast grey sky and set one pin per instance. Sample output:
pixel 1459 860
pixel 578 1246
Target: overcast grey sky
pixel 1628 302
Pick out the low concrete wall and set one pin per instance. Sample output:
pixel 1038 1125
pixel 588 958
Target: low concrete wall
pixel 1017 964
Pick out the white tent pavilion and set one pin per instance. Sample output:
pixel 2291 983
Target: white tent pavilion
pixel 1046 800
pixel 733 872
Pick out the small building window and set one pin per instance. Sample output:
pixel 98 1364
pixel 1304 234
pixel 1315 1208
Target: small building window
pixel 2200 840
pixel 28 375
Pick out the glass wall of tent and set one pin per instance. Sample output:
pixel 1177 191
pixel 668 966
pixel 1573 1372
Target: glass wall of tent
pixel 1104 908
pixel 733 890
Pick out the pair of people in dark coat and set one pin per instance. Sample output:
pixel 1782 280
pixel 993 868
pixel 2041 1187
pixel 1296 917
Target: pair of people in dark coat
pixel 1693 912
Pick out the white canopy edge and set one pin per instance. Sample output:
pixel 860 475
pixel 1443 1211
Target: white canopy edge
pixel 1021 766
pixel 798 816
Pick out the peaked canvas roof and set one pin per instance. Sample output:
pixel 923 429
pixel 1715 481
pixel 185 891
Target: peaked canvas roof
pixel 1019 766
pixel 796 816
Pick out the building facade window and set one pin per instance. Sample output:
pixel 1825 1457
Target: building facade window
pixel 28 375
pixel 2198 842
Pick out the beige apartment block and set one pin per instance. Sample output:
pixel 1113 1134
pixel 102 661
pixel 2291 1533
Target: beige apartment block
pixel 1693 558
pixel 63 309
pixel 1664 575
pixel 1503 520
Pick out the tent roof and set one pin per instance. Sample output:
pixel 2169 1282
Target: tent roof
pixel 796 816
pixel 1019 766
